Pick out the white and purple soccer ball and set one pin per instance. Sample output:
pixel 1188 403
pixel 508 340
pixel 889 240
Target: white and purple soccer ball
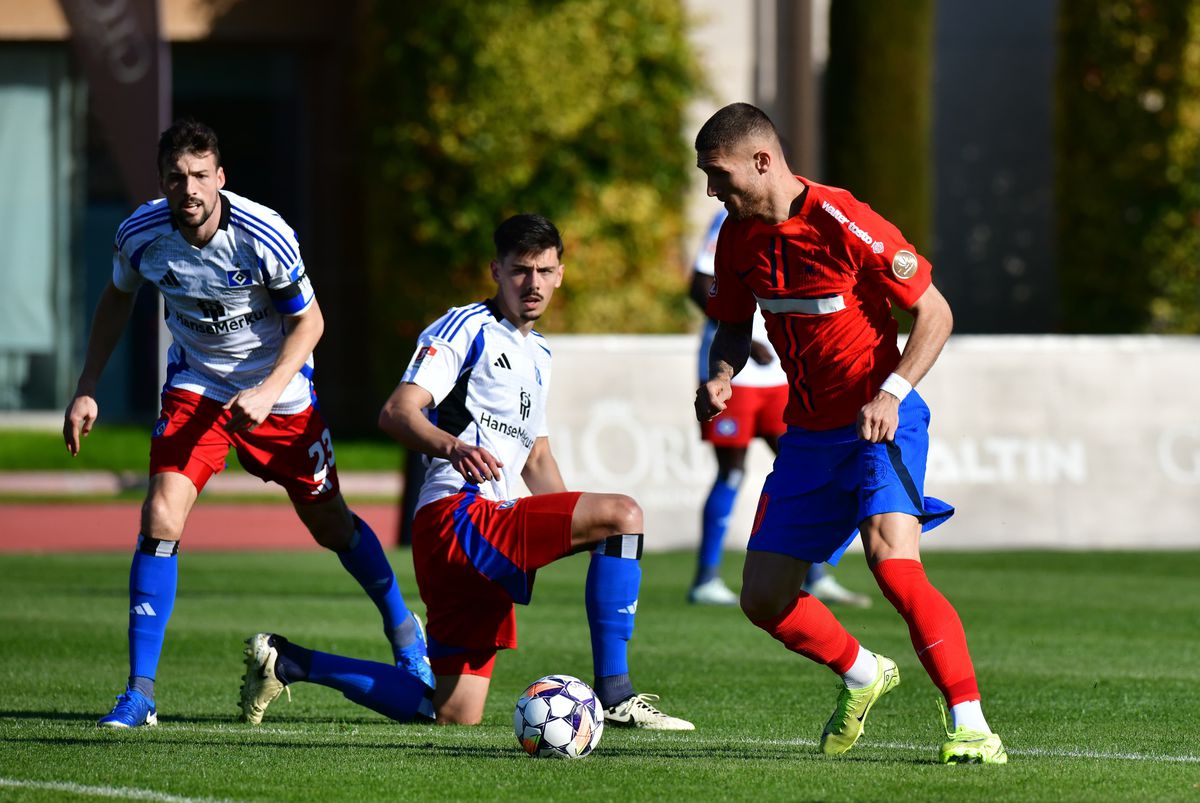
pixel 558 716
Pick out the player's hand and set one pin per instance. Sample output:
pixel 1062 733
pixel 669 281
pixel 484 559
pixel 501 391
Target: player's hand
pixel 249 408
pixel 78 422
pixel 761 353
pixel 711 398
pixel 879 418
pixel 475 463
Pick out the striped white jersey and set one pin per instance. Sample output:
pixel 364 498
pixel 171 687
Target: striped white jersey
pixel 225 303
pixel 752 375
pixel 489 384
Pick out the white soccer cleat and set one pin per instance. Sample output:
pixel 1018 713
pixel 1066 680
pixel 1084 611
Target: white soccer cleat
pixel 260 686
pixel 712 592
pixel 636 712
pixel 830 591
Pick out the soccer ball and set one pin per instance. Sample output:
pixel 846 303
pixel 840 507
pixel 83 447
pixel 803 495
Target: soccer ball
pixel 558 716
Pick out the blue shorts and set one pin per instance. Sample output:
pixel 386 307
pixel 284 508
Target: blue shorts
pixel 825 482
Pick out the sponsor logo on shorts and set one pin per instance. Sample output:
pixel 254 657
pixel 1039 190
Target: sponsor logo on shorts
pixel 877 248
pixel 904 264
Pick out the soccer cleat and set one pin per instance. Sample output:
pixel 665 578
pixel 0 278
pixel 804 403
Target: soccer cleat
pixel 830 591
pixel 133 710
pixel 965 746
pixel 414 658
pixel 712 592
pixel 260 686
pixel 636 712
pixel 973 747
pixel 846 724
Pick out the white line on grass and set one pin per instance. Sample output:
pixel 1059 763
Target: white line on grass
pixel 127 792
pixel 1035 752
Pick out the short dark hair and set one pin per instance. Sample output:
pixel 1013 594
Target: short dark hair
pixel 526 234
pixel 732 125
pixel 186 136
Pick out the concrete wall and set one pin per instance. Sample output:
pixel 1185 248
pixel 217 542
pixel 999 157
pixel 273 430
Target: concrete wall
pixel 1073 443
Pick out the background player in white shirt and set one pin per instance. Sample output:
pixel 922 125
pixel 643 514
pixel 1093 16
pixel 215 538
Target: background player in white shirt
pixel 244 322
pixel 755 411
pixel 473 400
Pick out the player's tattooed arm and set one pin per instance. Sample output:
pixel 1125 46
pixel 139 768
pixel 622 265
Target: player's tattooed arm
pixel 729 351
pixel 112 313
pixel 403 418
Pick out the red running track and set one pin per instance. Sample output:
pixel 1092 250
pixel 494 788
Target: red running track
pixel 212 526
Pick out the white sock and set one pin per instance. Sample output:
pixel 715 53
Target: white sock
pixel 864 670
pixel 968 715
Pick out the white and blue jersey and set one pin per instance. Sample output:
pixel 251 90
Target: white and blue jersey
pixel 226 301
pixel 489 384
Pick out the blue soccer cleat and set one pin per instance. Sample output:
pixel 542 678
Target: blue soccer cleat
pixel 133 710
pixel 414 658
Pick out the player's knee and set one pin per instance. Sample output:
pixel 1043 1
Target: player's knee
pixel 761 604
pixel 625 516
pixel 162 519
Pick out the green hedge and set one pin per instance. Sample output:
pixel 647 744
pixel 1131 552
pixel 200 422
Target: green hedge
pixel 878 109
pixel 1128 155
pixel 570 108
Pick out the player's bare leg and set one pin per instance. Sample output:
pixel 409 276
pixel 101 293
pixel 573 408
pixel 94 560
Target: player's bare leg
pixel 892 543
pixel 459 699
pixel 169 501
pixel 334 527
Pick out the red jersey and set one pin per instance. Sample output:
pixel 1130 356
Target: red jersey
pixel 825 279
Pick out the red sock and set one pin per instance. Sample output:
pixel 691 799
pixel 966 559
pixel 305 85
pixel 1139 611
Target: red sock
pixel 933 624
pixel 807 627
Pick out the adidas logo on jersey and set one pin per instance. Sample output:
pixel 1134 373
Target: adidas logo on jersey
pixel 143 609
pixel 169 279
pixel 502 361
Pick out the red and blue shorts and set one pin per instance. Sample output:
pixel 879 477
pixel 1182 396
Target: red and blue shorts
pixel 824 483
pixel 750 413
pixel 294 451
pixel 474 559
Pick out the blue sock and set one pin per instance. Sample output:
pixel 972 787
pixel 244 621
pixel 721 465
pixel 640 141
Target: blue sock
pixel 367 563
pixel 380 687
pixel 611 595
pixel 152 580
pixel 717 510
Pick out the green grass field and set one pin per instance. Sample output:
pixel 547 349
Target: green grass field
pixel 1089 663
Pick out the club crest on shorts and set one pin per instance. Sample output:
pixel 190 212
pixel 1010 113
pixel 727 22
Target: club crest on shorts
pixel 159 428
pixel 904 264
pixel 727 427
pixel 506 504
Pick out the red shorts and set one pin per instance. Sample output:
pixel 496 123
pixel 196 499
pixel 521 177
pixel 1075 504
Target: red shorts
pixel 292 450
pixel 475 558
pixel 750 413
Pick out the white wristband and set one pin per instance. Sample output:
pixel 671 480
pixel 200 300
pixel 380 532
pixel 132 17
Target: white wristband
pixel 896 385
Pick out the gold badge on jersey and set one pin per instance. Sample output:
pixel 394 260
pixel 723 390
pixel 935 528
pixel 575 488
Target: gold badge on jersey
pixel 904 264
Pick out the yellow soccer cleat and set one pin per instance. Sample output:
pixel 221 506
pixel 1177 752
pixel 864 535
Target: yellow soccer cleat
pixel 846 725
pixel 260 687
pixel 966 746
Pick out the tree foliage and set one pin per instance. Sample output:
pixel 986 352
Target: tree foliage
pixel 878 108
pixel 1128 154
pixel 569 108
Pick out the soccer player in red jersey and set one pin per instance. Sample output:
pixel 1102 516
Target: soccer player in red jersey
pixel 825 270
